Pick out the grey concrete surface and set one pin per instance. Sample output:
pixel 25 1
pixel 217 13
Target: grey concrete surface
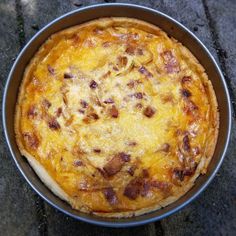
pixel 22 212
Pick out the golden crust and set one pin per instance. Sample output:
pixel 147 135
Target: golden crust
pixel 205 116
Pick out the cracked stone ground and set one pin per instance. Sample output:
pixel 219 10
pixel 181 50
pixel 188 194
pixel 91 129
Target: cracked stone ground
pixel 213 213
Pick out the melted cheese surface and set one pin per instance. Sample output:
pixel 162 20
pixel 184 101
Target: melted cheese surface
pixel 120 117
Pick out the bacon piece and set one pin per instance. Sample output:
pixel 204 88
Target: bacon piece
pixel 142 185
pixel 78 163
pixel 122 61
pixel 186 143
pixel 149 111
pixel 53 124
pixel 186 93
pixel 93 84
pixel 171 64
pixel 116 163
pixel 68 75
pixel 114 112
pixel 138 95
pixel 83 103
pixel 134 188
pixel 31 140
pixel 46 104
pixel 59 112
pixel 131 170
pixel 109 101
pixel 179 174
pixel 97 150
pixel 130 50
pixel 145 72
pixel 124 156
pixel 110 195
pixel 91 116
pixel 51 70
pixel 32 112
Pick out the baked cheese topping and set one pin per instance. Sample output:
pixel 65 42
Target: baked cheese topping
pixel 121 117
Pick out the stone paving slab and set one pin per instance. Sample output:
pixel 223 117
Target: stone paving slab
pixel 213 213
pixel 222 18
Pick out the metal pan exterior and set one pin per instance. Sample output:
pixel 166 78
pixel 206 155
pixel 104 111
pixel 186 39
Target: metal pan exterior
pixel 174 29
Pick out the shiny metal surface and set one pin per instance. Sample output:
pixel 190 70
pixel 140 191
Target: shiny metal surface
pixel 173 28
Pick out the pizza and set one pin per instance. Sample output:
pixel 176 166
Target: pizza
pixel 116 117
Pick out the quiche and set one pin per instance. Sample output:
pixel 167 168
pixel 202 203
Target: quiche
pixel 116 117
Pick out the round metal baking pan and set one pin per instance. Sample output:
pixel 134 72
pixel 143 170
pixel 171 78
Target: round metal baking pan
pixel 173 28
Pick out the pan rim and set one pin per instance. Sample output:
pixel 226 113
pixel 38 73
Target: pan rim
pixel 104 221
